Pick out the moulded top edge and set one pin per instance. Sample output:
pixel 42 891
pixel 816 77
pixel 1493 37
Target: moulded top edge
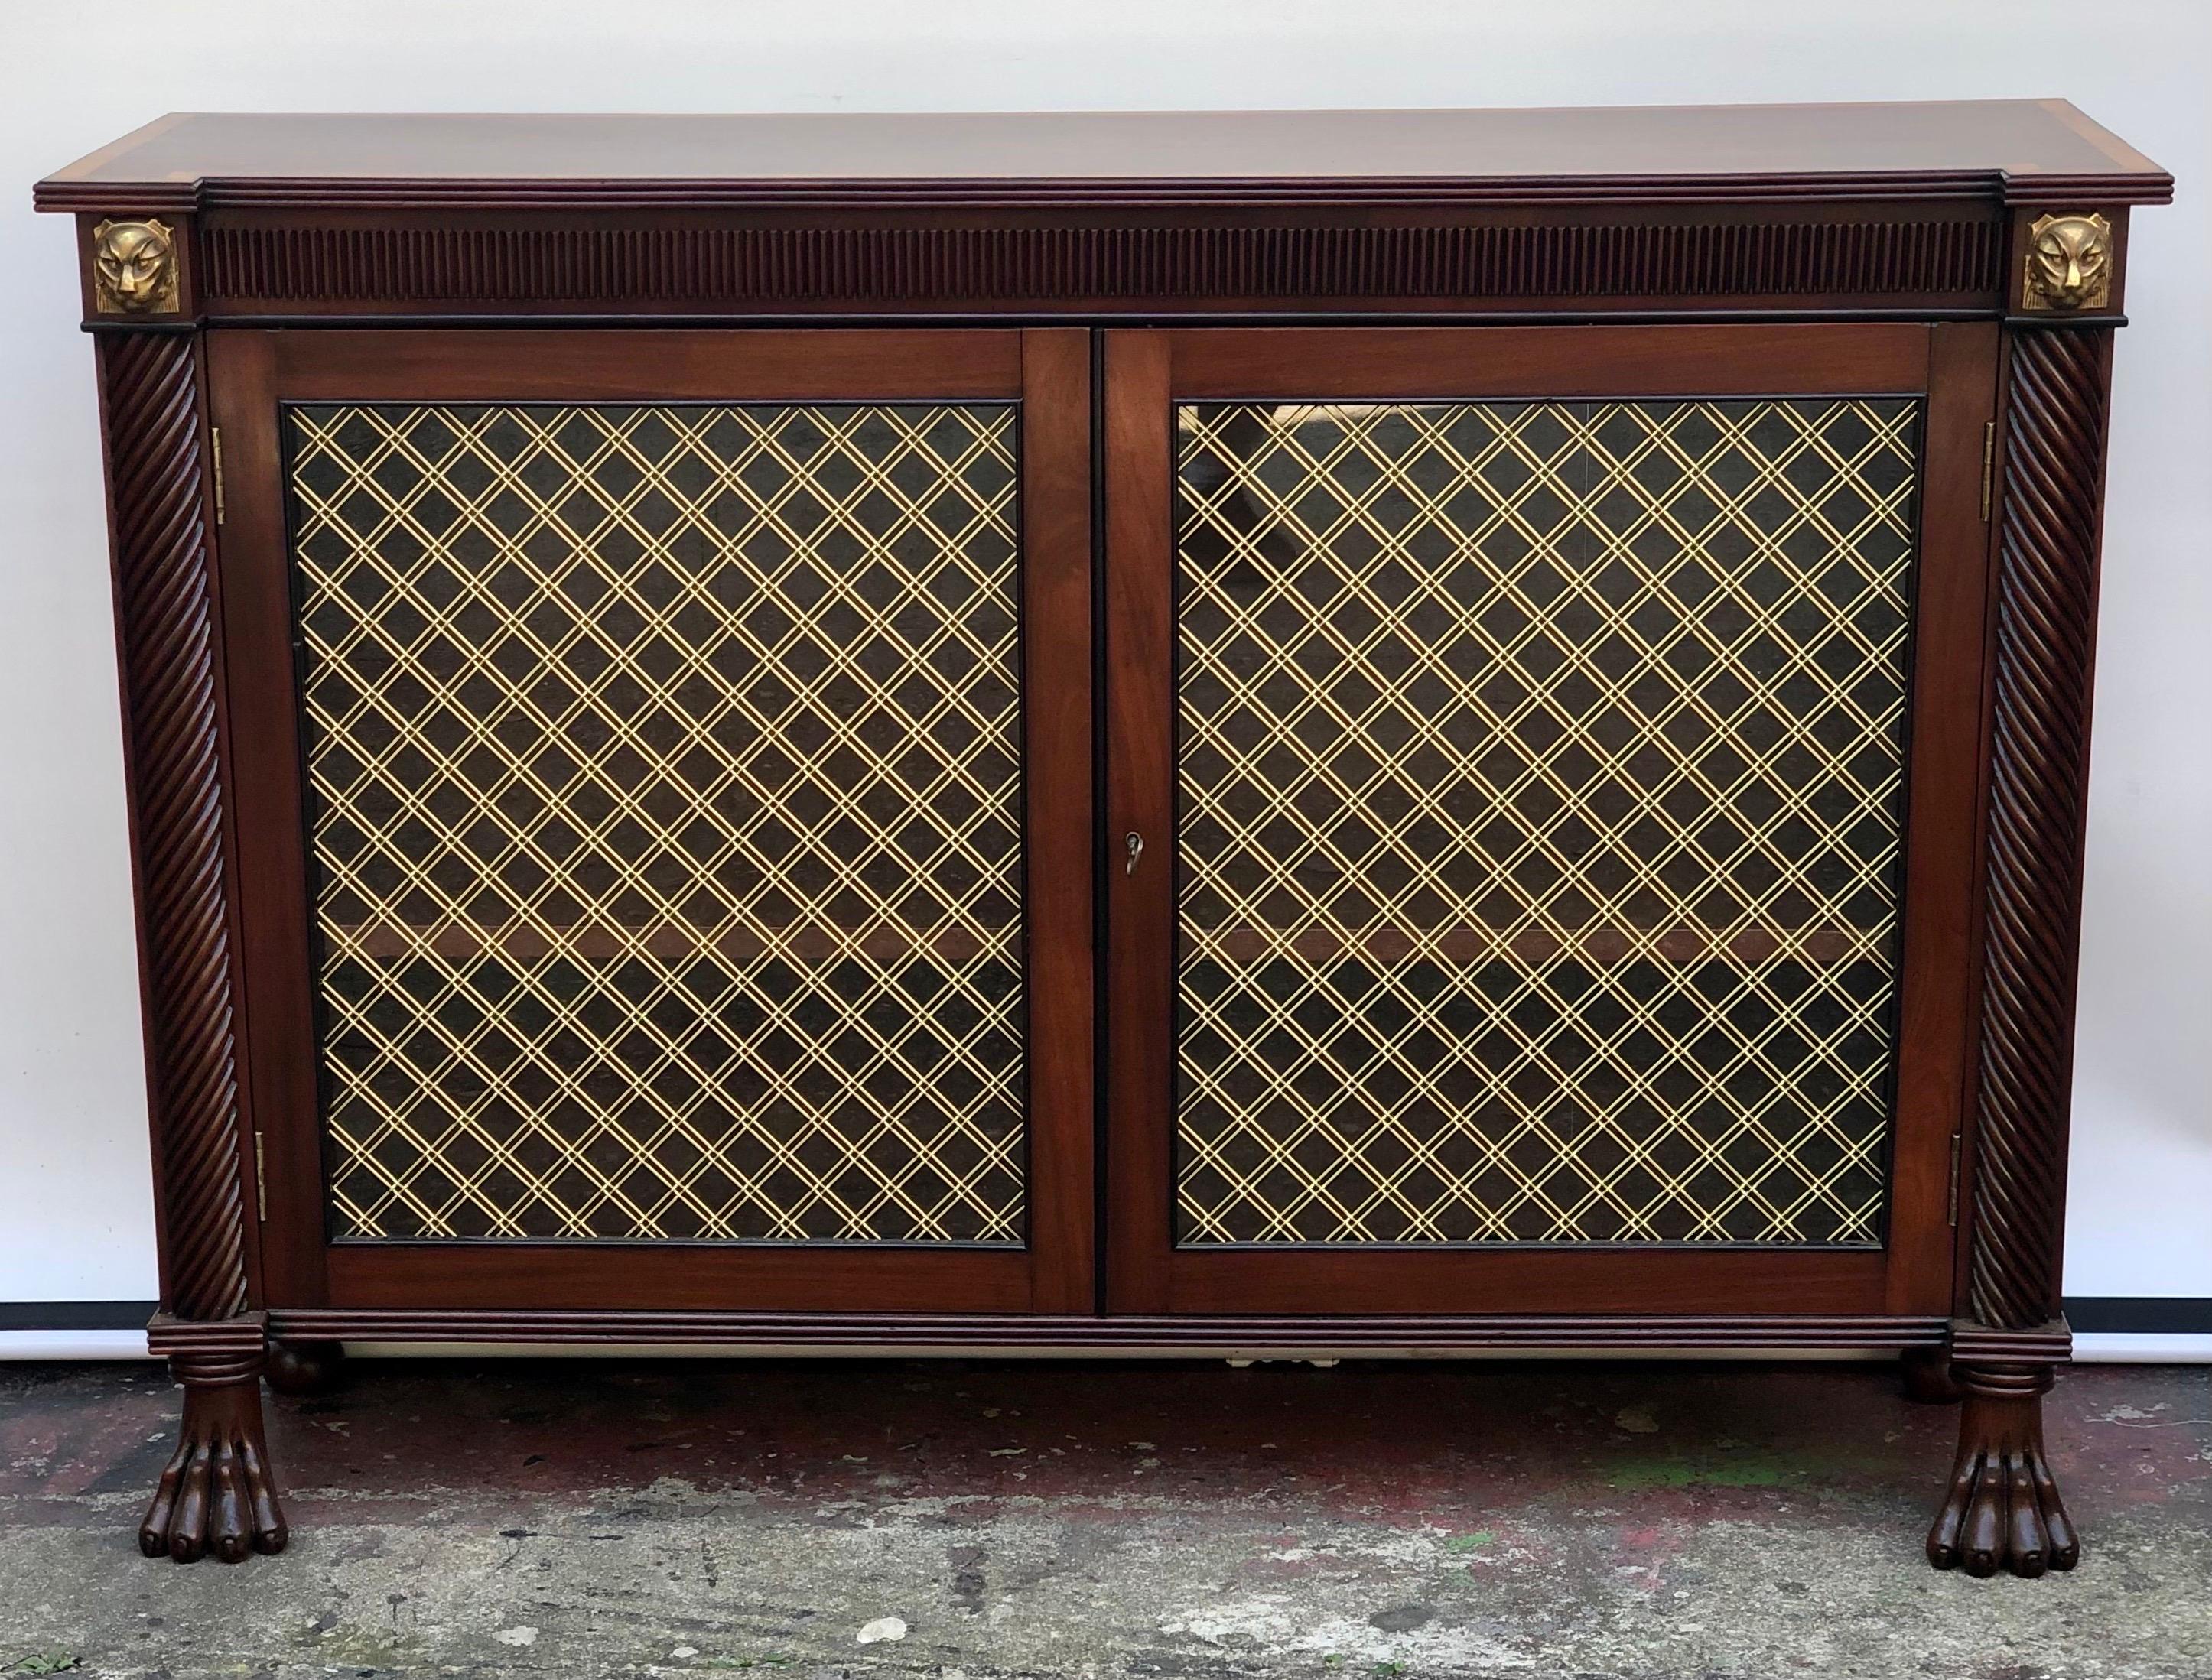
pixel 2017 150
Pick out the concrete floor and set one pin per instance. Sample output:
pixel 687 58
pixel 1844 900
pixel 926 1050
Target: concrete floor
pixel 1185 1520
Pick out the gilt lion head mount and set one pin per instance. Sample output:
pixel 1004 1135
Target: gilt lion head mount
pixel 2070 263
pixel 134 268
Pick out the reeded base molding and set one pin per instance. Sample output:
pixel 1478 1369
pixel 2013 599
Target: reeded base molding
pixel 217 1497
pixel 2003 1511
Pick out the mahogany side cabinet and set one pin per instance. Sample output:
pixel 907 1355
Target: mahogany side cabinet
pixel 1440 730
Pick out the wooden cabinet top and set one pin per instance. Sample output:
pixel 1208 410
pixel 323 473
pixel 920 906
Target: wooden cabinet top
pixel 2018 151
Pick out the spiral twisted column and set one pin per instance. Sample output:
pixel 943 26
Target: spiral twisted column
pixel 165 606
pixel 2002 1509
pixel 2045 624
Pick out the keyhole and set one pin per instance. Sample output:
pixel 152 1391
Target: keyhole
pixel 1135 842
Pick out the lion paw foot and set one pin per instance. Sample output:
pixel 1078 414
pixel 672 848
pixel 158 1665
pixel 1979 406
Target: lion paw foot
pixel 216 1497
pixel 2003 1510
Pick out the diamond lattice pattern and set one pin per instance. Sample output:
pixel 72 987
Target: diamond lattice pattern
pixel 1540 793
pixel 663 808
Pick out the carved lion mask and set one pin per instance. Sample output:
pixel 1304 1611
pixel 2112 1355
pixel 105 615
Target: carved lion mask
pixel 2067 259
pixel 136 264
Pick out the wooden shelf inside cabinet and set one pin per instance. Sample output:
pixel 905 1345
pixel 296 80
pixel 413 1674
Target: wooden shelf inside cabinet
pixel 1519 674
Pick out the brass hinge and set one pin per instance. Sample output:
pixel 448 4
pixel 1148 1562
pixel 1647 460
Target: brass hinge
pixel 215 446
pixel 1954 1179
pixel 1989 465
pixel 260 1178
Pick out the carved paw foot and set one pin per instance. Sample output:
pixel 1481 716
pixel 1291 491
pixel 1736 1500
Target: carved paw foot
pixel 2003 1510
pixel 216 1496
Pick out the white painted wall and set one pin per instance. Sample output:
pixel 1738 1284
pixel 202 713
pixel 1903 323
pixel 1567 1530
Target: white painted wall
pixel 75 1205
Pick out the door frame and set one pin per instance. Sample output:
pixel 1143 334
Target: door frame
pixel 1048 372
pixel 1954 367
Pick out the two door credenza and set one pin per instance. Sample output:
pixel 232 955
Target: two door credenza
pixel 1339 730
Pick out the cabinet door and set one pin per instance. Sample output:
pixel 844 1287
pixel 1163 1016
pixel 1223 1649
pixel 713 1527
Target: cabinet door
pixel 664 805
pixel 1541 774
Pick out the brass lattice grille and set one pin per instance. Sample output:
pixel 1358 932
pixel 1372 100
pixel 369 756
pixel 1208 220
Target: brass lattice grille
pixel 1540 807
pixel 664 817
